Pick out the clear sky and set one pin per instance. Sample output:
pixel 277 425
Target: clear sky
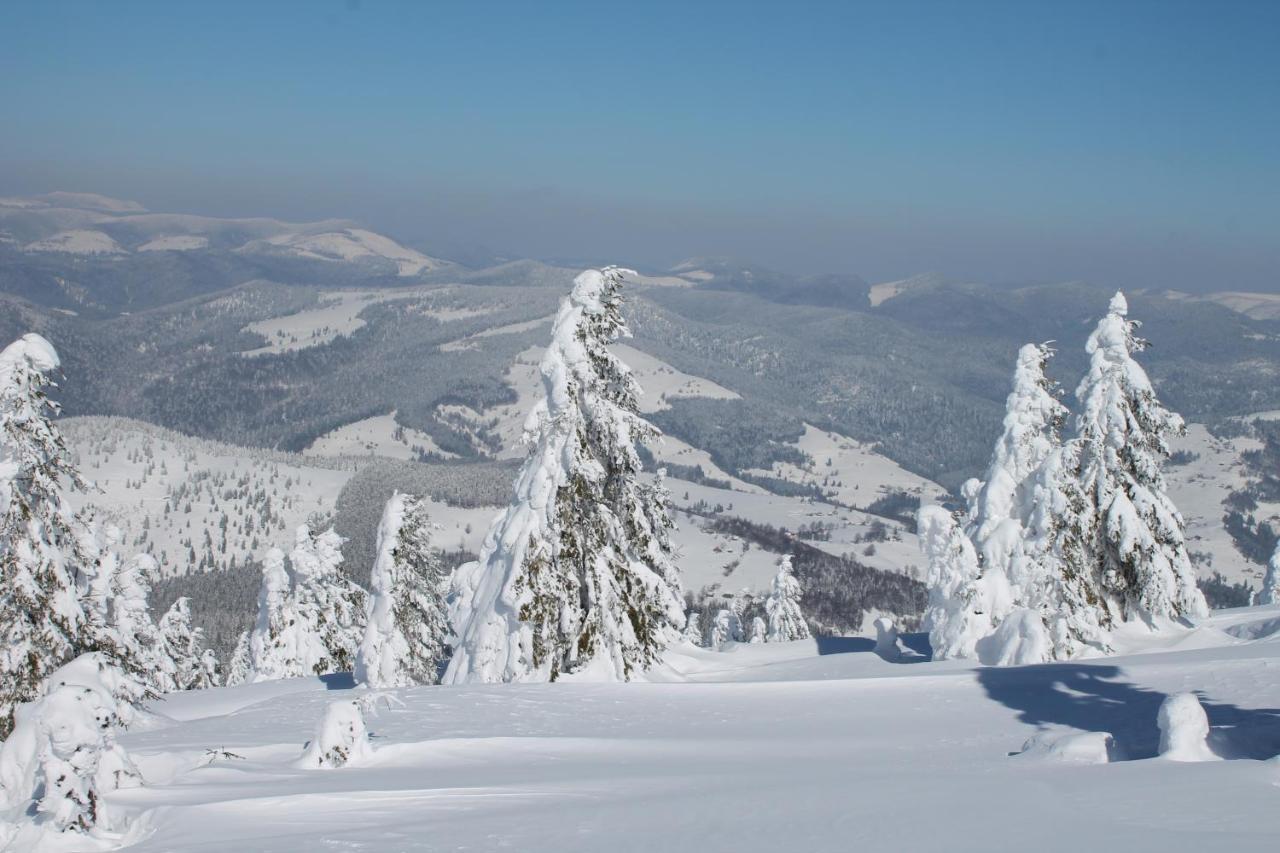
pixel 1135 143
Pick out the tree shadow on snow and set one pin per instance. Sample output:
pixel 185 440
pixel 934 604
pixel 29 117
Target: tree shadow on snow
pixel 1089 697
pixel 339 681
pixel 843 645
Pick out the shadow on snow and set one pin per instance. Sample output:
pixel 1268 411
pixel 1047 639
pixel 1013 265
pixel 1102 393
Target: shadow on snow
pixel 1089 697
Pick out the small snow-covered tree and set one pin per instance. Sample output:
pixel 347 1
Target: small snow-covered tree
pixel 341 738
pixel 759 630
pixel 62 757
pixel 692 629
pixel 329 606
pixel 240 668
pixel 42 622
pixel 1270 592
pixel 273 643
pixel 194 666
pixel 576 576
pixel 725 628
pixel 786 621
pixel 1138 556
pixel 407 636
pixel 959 601
pixel 136 634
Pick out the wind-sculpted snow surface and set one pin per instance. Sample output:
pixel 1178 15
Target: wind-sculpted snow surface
pixel 757 749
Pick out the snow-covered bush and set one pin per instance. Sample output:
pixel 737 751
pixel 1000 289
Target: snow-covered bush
pixel 888 645
pixel 576 576
pixel 61 757
pixel 1184 729
pixel 406 638
pixel 341 738
pixel 786 622
pixel 724 629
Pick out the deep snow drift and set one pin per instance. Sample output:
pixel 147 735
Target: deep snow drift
pixel 813 745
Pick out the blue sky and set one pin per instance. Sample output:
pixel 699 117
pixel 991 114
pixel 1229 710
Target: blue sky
pixel 1130 142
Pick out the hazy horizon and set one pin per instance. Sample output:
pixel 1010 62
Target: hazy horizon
pixel 1131 145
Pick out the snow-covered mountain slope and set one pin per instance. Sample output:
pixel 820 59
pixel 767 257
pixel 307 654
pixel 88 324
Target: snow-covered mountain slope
pixel 77 242
pixel 193 504
pixel 179 243
pixel 758 748
pixel 347 244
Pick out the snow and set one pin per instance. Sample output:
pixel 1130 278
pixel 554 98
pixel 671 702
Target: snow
pixel 1184 729
pixel 762 747
pixel 469 342
pixel 78 242
pixel 175 243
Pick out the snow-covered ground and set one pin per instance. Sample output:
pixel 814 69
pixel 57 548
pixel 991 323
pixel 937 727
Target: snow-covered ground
pixel 347 244
pixel 806 746
pixel 78 242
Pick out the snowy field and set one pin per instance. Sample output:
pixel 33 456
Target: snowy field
pixel 806 746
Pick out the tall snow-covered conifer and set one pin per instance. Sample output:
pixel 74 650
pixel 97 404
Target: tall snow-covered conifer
pixel 576 576
pixel 1138 554
pixel 42 622
pixel 329 605
pixel 194 666
pixel 1270 592
pixel 406 638
pixel 272 642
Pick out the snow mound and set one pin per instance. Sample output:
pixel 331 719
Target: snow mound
pixel 78 242
pixel 1075 748
pixel 175 243
pixel 1184 729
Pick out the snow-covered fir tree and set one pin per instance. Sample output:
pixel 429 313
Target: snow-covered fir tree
pixel 692 628
pixel 1032 430
pixel 786 621
pixel 1270 592
pixel 576 576
pixel 1136 551
pixel 240 667
pixel 42 622
pixel 135 632
pixel 959 601
pixel 328 604
pixel 273 651
pixel 406 639
pixel 759 632
pixel 194 666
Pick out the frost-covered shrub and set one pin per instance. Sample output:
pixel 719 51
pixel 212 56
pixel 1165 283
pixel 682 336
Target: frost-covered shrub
pixel 341 738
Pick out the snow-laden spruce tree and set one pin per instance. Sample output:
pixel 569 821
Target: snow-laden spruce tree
pixel 240 667
pixel 329 606
pixel 1270 592
pixel 786 621
pixel 406 639
pixel 576 576
pixel 1032 430
pixel 692 628
pixel 1006 580
pixel 960 601
pixel 193 666
pixel 273 646
pixel 134 630
pixel 1136 551
pixel 42 622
